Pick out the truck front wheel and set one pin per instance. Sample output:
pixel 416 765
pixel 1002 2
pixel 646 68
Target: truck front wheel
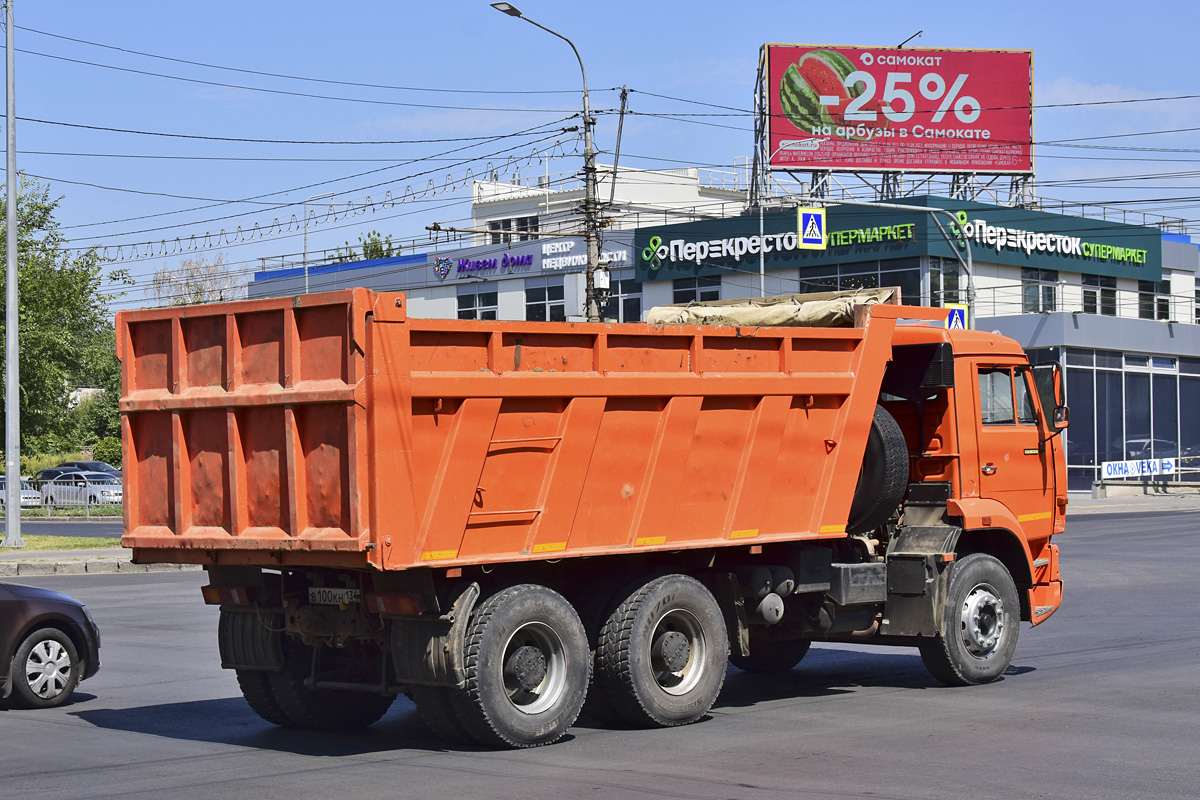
pixel 980 624
pixel 661 655
pixel 527 668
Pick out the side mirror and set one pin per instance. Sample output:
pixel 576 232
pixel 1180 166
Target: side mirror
pixel 1062 418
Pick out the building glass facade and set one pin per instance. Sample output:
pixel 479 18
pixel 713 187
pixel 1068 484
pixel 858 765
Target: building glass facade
pixel 1128 406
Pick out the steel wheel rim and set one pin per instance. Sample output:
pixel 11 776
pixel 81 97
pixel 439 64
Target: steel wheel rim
pixel 681 681
pixel 553 684
pixel 48 669
pixel 982 621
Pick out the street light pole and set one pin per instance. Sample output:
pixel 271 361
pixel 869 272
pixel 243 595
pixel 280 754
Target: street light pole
pixel 12 386
pixel 591 223
pixel 305 213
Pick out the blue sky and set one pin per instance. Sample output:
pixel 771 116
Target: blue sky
pixel 705 52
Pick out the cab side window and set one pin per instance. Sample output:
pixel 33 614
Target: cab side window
pixel 1026 415
pixel 996 405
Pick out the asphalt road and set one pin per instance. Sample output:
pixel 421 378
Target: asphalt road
pixel 98 529
pixel 1100 703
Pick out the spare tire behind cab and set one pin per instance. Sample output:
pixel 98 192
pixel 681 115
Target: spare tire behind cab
pixel 884 475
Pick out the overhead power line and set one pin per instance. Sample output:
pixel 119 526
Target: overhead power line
pixel 327 81
pixel 286 92
pixel 271 141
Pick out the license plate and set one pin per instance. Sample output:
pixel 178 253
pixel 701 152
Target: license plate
pixel 333 597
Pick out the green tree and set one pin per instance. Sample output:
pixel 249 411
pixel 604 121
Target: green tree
pixel 65 334
pixel 371 245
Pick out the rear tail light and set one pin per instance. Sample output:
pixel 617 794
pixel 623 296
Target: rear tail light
pixel 226 595
pixel 404 604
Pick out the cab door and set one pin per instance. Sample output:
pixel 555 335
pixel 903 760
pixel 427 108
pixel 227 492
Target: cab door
pixel 1016 467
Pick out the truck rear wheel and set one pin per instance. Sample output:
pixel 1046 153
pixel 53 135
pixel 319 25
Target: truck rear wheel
pixel 320 709
pixel 769 656
pixel 662 653
pixel 527 665
pixel 884 475
pixel 437 712
pixel 981 621
pixel 257 691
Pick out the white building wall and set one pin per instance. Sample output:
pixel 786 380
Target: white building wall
pixel 510 300
pixel 575 296
pixel 433 302
pixel 997 289
pixel 1183 296
pixel 659 293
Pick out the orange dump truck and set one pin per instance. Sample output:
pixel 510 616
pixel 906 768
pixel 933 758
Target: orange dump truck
pixel 509 519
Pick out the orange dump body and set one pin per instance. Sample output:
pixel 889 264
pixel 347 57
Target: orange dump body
pixel 333 430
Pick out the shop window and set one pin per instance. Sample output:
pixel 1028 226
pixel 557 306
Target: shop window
pixel 1154 299
pixel 1135 361
pixel 1100 295
pixel 1197 316
pixel 625 301
pixel 477 302
pixel 700 289
pixel 1080 358
pixel 1081 436
pixel 544 300
pixel 818 279
pixel 1189 427
pixel 943 281
pixel 1110 444
pixel 1137 415
pixel 1165 417
pixel 1044 355
pixel 1038 289
pixel 909 281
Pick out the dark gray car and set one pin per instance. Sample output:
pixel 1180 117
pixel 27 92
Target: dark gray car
pixel 48 644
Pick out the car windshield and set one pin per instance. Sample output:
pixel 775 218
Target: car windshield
pixel 95 466
pixel 105 481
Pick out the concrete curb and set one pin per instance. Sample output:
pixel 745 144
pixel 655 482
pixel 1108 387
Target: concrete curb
pixel 13 569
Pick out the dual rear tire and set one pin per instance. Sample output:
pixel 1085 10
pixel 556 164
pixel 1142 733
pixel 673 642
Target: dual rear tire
pixel 659 656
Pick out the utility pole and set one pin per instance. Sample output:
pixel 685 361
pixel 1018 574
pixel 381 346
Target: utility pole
pixel 12 385
pixel 591 216
pixel 304 212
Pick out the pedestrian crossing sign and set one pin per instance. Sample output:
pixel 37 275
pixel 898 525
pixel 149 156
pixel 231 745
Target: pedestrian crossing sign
pixel 812 228
pixel 956 316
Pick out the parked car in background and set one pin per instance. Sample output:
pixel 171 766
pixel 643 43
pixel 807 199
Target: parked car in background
pixel 43 476
pixel 82 488
pixel 92 466
pixel 48 644
pixel 1150 448
pixel 30 497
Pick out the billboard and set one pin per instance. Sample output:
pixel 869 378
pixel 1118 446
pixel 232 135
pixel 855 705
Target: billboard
pixel 872 109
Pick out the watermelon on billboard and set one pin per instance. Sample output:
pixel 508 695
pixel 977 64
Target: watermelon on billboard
pixel 871 109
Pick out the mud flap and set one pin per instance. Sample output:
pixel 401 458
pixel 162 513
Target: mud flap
pixel 428 650
pixel 918 563
pixel 729 596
